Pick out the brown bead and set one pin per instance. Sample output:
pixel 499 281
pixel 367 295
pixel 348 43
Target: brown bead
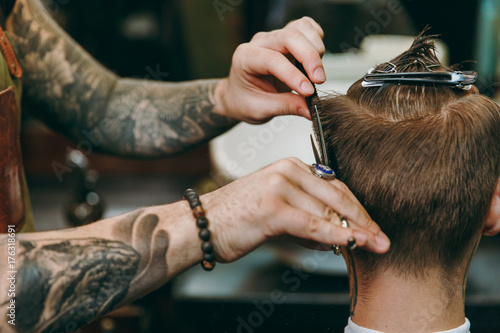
pixel 208 266
pixel 198 212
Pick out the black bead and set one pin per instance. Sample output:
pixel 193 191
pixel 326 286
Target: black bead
pixel 194 203
pixel 192 196
pixel 202 222
pixel 204 234
pixel 208 257
pixel 207 247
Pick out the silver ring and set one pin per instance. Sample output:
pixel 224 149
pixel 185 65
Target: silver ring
pixel 323 171
pixel 337 250
pixel 351 242
pixel 343 222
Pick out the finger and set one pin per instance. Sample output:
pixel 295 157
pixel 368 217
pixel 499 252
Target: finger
pixel 297 198
pixel 298 163
pixel 342 191
pixel 262 61
pixel 306 50
pixel 314 35
pixel 344 188
pixel 307 226
pixel 271 105
pixel 368 224
pixel 309 20
pixel 343 203
pixel 337 183
pixel 307 243
pixel 279 40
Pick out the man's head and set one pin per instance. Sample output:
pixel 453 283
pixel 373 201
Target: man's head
pixel 423 159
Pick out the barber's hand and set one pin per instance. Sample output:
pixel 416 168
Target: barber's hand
pixel 285 200
pixel 263 72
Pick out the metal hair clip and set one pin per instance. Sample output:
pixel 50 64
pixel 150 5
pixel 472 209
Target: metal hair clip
pixel 462 80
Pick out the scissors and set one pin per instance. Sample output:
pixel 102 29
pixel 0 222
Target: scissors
pixel 324 167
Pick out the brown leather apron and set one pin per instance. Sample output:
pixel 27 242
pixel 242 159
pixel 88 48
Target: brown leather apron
pixel 13 195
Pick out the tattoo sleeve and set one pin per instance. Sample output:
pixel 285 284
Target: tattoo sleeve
pixel 78 97
pixel 64 282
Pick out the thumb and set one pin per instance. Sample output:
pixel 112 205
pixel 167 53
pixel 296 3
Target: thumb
pixel 285 104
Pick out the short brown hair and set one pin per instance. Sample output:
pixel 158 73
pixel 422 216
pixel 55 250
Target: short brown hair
pixel 423 159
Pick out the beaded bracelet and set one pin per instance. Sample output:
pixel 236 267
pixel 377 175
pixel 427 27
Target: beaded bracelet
pixel 208 262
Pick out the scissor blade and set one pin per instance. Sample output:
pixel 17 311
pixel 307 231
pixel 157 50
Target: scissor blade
pixel 321 138
pixel 315 150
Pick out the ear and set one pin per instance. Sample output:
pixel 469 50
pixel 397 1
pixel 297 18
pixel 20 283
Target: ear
pixel 492 226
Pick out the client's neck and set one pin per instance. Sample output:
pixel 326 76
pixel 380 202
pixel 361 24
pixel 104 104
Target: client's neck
pixel 391 303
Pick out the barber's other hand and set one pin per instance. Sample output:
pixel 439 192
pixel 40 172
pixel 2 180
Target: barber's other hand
pixel 263 72
pixel 285 200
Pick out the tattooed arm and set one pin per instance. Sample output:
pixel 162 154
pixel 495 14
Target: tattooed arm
pixel 78 97
pixel 67 278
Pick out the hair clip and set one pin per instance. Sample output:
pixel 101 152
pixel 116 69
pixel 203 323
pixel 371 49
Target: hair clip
pixel 392 69
pixel 462 80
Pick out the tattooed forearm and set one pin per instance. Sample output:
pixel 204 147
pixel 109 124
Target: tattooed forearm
pixel 78 97
pixel 65 283
pixel 158 119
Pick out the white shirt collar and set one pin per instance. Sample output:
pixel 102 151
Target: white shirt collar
pixel 353 328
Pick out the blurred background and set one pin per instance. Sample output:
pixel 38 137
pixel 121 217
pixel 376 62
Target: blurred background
pixel 279 286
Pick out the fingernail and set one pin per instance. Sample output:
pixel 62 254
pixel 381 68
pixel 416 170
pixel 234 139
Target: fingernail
pixel 307 88
pixel 383 241
pixel 319 74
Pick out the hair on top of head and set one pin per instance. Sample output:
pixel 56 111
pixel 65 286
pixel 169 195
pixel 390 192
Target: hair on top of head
pixel 423 159
pixel 420 57
pixel 395 102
